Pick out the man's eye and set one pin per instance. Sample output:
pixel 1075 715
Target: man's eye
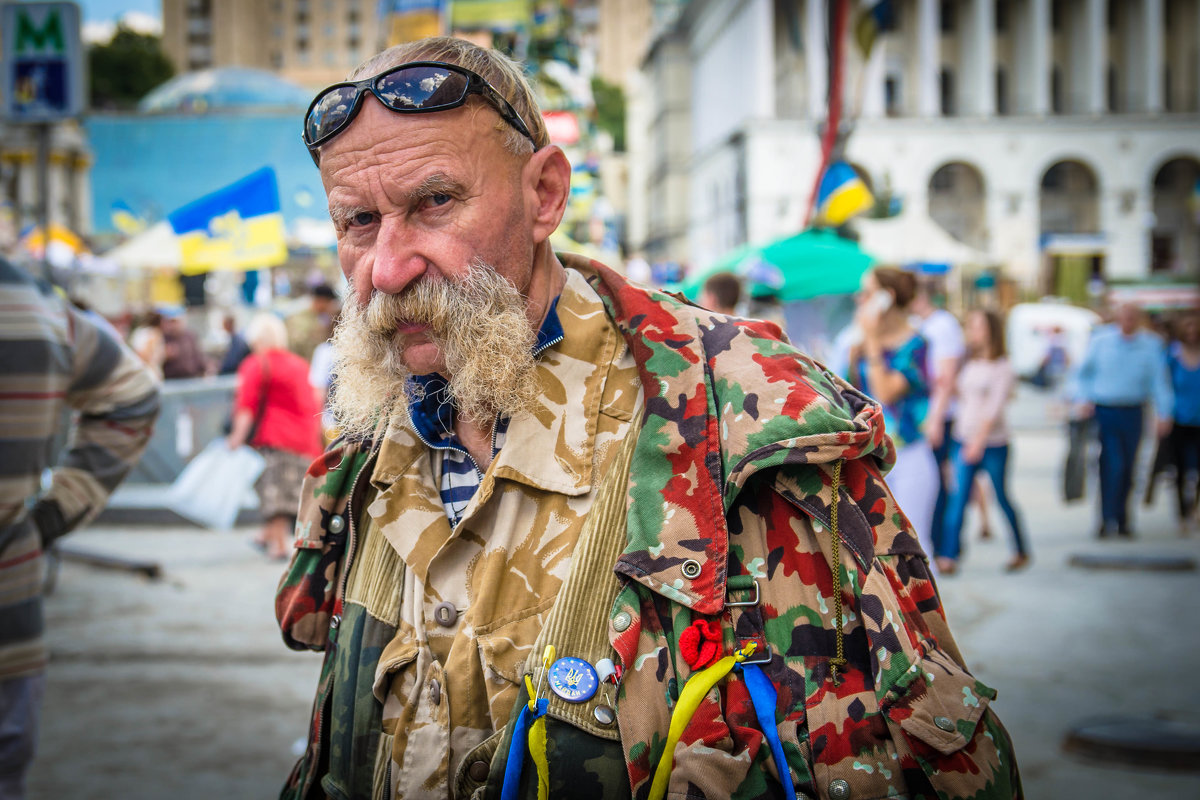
pixel 362 218
pixel 439 199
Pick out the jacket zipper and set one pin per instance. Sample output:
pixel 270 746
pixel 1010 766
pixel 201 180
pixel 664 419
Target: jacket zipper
pixel 337 618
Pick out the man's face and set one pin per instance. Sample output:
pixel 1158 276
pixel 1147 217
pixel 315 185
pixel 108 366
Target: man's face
pixel 1128 317
pixel 420 197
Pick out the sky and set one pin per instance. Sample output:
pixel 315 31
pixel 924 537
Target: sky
pixel 100 17
pixel 110 10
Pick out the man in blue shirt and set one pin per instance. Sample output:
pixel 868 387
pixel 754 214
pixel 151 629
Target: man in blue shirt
pixel 1124 368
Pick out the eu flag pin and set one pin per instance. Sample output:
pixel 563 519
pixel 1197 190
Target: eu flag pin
pixel 573 679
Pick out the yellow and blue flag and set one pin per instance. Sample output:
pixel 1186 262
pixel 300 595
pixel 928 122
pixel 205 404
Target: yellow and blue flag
pixel 125 220
pixel 841 195
pixel 876 18
pixel 238 227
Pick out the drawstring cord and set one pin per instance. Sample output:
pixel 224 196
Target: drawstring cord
pixel 838 662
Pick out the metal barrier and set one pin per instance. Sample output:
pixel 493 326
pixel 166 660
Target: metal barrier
pixel 194 412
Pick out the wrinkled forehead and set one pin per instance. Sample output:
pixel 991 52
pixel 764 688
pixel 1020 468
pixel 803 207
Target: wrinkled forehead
pixel 378 134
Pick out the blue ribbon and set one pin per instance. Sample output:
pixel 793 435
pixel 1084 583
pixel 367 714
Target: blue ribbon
pixel 763 697
pixel 516 749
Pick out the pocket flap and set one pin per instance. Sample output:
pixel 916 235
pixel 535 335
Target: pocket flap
pixel 938 702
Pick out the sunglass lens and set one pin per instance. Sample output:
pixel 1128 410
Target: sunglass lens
pixel 421 88
pixel 329 113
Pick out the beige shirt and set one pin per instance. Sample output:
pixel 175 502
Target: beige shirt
pixel 473 598
pixel 984 389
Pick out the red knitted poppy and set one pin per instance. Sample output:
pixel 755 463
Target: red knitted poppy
pixel 700 643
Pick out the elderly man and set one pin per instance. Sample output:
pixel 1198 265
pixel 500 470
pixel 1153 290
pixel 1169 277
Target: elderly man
pixel 1124 368
pixel 577 541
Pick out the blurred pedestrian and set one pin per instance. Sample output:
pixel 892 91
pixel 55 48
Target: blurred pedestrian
pixel 308 328
pixel 980 437
pixel 944 336
pixel 53 358
pixel 320 376
pixel 890 363
pixel 1124 368
pixel 148 342
pixel 183 356
pixel 721 293
pixel 276 413
pixel 1183 363
pixel 237 349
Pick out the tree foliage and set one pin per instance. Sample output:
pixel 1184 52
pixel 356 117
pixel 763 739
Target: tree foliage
pixel 610 110
pixel 123 71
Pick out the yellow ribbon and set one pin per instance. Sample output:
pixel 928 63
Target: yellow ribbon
pixel 693 693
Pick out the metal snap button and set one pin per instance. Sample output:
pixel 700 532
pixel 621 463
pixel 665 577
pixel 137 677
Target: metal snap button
pixel 839 790
pixel 337 523
pixel 445 614
pixel 691 568
pixel 335 621
pixel 435 692
pixel 622 621
pixel 478 771
pixel 945 723
pixel 604 715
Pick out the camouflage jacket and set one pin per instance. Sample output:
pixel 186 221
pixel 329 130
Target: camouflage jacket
pixel 729 497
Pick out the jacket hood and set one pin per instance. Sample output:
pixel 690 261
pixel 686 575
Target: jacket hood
pixel 726 398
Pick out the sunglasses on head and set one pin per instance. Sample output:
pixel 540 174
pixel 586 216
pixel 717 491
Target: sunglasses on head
pixel 413 88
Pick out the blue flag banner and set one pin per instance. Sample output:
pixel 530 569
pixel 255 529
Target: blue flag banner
pixel 238 227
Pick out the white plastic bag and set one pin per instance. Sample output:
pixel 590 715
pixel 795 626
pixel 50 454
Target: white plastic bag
pixel 210 489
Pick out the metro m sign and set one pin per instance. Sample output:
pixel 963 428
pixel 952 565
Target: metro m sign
pixel 41 62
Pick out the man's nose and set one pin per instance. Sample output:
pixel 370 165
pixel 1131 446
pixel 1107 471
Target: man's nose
pixel 398 260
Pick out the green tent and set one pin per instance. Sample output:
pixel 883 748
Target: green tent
pixel 808 264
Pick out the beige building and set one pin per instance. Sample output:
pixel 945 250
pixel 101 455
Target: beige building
pixel 69 179
pixel 310 42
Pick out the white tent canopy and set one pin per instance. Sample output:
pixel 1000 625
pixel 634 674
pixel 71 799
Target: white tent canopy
pixel 915 238
pixel 153 248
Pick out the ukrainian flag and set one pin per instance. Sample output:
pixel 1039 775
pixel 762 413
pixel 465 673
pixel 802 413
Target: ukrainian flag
pixel 841 195
pixel 238 227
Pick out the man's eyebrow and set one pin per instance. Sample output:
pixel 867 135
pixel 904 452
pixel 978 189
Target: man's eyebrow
pixel 438 183
pixel 343 215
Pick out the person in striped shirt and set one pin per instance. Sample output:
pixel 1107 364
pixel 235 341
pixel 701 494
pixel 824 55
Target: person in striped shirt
pixel 53 358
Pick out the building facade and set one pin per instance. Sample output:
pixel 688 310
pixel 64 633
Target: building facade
pixel 69 180
pixel 311 42
pixel 1060 139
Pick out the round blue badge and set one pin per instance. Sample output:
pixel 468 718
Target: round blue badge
pixel 573 679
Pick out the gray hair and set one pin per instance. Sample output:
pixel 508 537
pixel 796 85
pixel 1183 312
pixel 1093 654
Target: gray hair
pixel 504 74
pixel 266 332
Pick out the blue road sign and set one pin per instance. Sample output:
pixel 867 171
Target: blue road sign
pixel 41 62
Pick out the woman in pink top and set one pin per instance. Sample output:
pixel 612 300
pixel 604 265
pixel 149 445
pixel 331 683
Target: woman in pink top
pixel 985 384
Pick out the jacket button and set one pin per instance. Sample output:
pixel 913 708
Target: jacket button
pixel 622 621
pixel 435 692
pixel 337 523
pixel 335 621
pixel 691 568
pixel 944 723
pixel 445 614
pixel 839 790
pixel 478 771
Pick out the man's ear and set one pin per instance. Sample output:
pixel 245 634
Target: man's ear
pixel 548 185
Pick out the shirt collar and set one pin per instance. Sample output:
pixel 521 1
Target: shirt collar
pixel 432 413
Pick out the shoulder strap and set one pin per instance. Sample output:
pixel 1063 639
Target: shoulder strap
pixel 262 399
pixel 577 624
